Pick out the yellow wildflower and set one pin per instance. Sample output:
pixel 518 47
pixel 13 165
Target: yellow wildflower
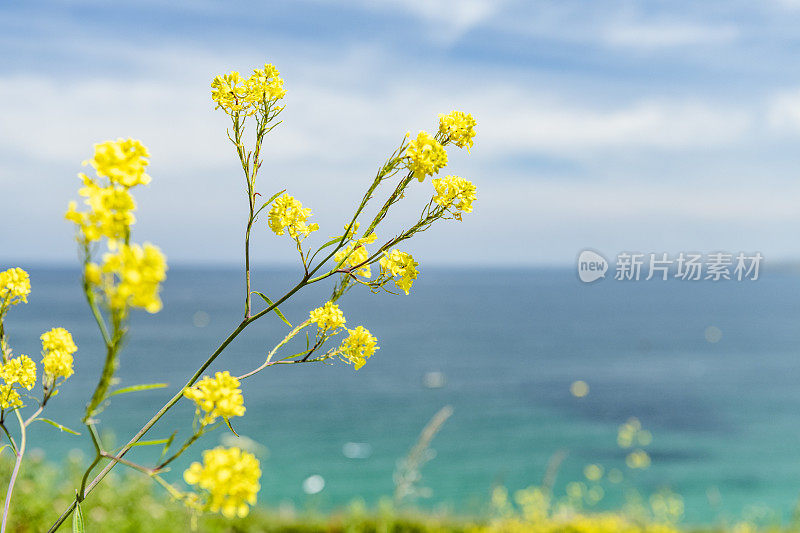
pixel 425 156
pixel 402 264
pixel 20 370
pixel 15 286
pixel 217 396
pixel 454 192
pixel 329 316
pixel 288 213
pixel 122 161
pixel 230 475
pixel 593 472
pixel 9 397
pixel 357 255
pixel 638 459
pixel 110 214
pixel 133 276
pixel 358 346
pixel 57 350
pixel 264 84
pixel 228 91
pixel 457 127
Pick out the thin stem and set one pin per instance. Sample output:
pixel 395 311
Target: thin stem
pixel 15 472
pixel 267 362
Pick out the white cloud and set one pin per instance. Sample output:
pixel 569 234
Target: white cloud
pixel 448 18
pixel 783 111
pixel 666 35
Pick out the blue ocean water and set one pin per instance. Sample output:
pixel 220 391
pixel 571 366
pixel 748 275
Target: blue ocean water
pixel 725 415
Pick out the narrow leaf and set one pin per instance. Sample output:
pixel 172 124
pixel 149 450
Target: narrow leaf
pixel 137 388
pixel 277 311
pixel 59 426
pixel 4 447
pixel 77 520
pixel 168 444
pixel 265 204
pixel 152 442
pixel 228 422
pixel 329 243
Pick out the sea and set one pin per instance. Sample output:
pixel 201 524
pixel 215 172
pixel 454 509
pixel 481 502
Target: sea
pixel 710 369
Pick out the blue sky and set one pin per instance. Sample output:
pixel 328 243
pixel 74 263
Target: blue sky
pixel 648 126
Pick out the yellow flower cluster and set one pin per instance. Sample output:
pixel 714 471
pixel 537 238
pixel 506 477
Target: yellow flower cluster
pixel 131 276
pixel 217 396
pixel 111 211
pixel 402 264
pixel 289 214
pixel 123 161
pixel 233 93
pixel 57 350
pixel 264 84
pixel 9 397
pixel 356 253
pixel 454 192
pixel 457 127
pixel 359 346
pixel 426 156
pixel 15 286
pixel 20 370
pixel 328 317
pixel 631 434
pixel 111 205
pixel 230 475
pixel 536 512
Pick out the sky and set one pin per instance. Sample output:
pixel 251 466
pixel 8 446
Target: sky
pixel 610 125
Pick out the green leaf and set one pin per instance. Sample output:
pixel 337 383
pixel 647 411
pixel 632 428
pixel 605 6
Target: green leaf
pixel 77 520
pixel 168 444
pixel 265 204
pixel 59 426
pixel 277 311
pixel 228 422
pixel 329 243
pixel 152 442
pixel 4 447
pixel 137 388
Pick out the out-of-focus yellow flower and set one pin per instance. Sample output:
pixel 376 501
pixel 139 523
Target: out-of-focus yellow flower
pixel 110 211
pixel 579 389
pixel 593 472
pixel 217 396
pixel 358 254
pixel 93 274
pixel 231 477
pixel 631 432
pixel 359 346
pixel 455 193
pixel 15 286
pixel 9 397
pixel 123 161
pixel 638 459
pixel 287 213
pixel 57 350
pixel 328 317
pixel 426 156
pixel 132 276
pixel 457 127
pixel 20 370
pixel 402 264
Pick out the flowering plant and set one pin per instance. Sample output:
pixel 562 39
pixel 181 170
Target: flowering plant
pixel 128 276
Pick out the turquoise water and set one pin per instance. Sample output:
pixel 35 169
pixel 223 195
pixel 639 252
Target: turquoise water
pixel 725 416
